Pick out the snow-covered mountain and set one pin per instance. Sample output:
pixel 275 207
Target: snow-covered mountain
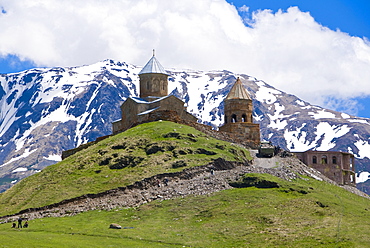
pixel 46 111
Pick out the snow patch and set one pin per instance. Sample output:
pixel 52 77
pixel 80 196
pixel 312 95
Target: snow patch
pixel 328 133
pixel 359 121
pixel 266 94
pixel 20 169
pixel 296 140
pixel 25 154
pixel 363 148
pixel 362 177
pixel 299 102
pixel 322 114
pixel 53 157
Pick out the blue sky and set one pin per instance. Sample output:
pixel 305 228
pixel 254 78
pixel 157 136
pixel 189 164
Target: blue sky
pixel 350 16
pixel 319 51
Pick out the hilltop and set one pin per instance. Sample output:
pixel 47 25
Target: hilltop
pixel 141 152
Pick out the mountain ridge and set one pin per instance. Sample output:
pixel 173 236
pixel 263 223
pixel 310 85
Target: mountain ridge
pixel 46 111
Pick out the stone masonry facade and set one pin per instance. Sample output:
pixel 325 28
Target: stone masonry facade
pixel 338 166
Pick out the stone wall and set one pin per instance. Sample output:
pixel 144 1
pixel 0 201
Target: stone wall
pixel 67 153
pixel 248 131
pixel 238 138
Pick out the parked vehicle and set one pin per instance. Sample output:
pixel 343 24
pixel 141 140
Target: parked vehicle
pixel 267 150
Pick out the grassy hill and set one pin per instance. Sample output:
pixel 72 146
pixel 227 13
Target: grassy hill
pixel 302 213
pixel 261 211
pixel 143 151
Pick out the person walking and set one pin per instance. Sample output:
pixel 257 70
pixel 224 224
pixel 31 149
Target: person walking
pixel 20 222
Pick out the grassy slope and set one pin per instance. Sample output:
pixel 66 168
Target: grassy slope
pixel 89 170
pixel 303 213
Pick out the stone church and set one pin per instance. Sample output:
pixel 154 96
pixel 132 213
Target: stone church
pixel 155 104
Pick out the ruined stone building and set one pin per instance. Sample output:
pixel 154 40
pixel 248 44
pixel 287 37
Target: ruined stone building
pixel 154 102
pixel 238 109
pixel 338 166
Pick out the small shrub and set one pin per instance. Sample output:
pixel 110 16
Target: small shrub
pixel 104 161
pixel 153 149
pixel 322 205
pixel 179 163
pixel 221 147
pixel 191 137
pixel 172 135
pixel 119 147
pixel 102 152
pixel 125 161
pixel 204 151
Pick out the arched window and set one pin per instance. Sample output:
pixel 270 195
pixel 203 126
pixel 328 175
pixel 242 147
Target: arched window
pixel 314 160
pixel 225 118
pixel 244 118
pixel 148 85
pixel 334 160
pixel 233 118
pixel 324 159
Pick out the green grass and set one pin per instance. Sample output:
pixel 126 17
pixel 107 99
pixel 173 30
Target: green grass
pixel 140 152
pixel 302 213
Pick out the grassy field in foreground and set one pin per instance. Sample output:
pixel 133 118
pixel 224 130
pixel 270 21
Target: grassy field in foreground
pixel 140 152
pixel 303 213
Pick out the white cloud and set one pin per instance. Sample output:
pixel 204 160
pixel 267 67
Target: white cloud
pixel 243 8
pixel 287 49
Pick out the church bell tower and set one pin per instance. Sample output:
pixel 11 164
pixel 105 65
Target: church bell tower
pixel 153 79
pixel 238 105
pixel 238 109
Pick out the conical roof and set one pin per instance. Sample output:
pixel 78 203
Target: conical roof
pixel 238 91
pixel 153 66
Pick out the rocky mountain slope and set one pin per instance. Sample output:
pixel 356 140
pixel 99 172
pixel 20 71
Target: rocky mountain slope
pixel 46 111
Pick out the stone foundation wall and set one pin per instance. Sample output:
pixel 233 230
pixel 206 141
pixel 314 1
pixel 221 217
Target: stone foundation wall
pixel 248 131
